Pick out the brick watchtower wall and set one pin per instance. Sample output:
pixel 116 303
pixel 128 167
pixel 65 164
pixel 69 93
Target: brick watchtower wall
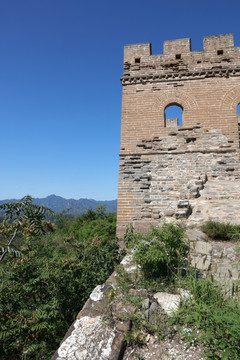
pixel 159 159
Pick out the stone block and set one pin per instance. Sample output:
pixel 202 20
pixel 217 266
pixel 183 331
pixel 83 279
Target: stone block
pixel 91 339
pixel 203 247
pixel 183 204
pixel 145 303
pixel 195 234
pixel 201 262
pixel 182 213
pixel 168 302
pixel 169 212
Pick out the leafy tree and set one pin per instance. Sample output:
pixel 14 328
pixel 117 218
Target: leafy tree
pixel 62 221
pixel 93 224
pixel 22 217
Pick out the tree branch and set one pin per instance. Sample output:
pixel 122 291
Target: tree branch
pixel 9 243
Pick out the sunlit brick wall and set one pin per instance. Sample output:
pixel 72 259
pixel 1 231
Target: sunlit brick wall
pixel 205 84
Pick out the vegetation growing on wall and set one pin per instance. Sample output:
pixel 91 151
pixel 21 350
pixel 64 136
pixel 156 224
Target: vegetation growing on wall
pixel 221 231
pixel 206 317
pixel 210 319
pixel 162 253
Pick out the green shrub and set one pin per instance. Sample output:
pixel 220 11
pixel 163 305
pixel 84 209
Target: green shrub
pixel 221 231
pixel 162 252
pixel 131 238
pixel 42 292
pixel 93 224
pixel 211 320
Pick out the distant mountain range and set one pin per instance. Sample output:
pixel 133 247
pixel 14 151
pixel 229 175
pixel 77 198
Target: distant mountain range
pixel 75 207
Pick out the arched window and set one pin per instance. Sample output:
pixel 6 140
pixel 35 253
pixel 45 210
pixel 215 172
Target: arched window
pixel 173 115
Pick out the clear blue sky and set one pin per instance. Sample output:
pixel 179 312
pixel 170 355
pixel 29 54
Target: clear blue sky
pixel 60 94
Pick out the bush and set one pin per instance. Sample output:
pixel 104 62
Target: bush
pixel 93 224
pixel 220 231
pixel 162 252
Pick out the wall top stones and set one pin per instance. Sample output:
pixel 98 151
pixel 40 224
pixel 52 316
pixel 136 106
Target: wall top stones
pixel 219 55
pixel 210 43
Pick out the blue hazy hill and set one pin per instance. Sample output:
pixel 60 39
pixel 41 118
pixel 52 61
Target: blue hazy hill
pixel 75 207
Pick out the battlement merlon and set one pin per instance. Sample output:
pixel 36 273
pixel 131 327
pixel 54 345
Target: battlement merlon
pixel 137 51
pixel 217 45
pixel 218 42
pixel 178 46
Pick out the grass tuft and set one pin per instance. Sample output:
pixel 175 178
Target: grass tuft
pixel 221 231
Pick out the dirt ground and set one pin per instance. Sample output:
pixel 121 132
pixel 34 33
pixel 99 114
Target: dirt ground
pixel 168 349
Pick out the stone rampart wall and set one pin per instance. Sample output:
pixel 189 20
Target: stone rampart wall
pixel 161 164
pixel 212 103
pixel 172 168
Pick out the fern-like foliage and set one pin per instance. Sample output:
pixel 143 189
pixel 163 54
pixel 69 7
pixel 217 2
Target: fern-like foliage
pixel 12 250
pixel 21 218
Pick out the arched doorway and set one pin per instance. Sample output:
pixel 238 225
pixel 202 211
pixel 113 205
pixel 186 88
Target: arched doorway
pixel 173 115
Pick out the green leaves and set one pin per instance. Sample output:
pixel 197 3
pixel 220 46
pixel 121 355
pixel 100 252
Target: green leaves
pixel 11 250
pixel 162 251
pixel 41 293
pixel 214 320
pixel 221 231
pixel 22 218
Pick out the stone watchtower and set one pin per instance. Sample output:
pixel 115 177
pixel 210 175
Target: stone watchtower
pixel 170 169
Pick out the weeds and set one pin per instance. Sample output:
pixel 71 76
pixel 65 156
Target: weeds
pixel 206 317
pixel 212 320
pixel 220 231
pixel 162 253
pixel 139 357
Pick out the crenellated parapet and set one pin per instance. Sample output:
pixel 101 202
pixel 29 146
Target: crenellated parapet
pixel 220 58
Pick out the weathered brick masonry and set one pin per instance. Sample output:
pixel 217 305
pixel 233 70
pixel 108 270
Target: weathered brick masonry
pixel 161 162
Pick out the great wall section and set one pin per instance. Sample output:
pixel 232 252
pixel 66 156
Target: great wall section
pixel 174 171
pixel 169 171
